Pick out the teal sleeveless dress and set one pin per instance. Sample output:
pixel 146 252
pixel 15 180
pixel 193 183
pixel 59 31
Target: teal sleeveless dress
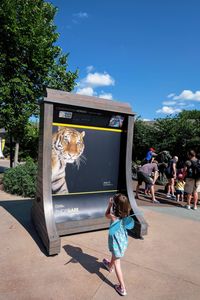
pixel 117 238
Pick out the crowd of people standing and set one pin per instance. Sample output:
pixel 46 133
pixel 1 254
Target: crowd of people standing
pixel 183 183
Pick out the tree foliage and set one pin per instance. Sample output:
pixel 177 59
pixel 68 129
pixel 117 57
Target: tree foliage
pixel 22 179
pixel 143 139
pixel 176 134
pixel 29 61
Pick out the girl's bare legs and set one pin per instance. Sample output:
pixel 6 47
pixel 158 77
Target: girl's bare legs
pixel 112 262
pixel 118 272
pixel 178 197
pixel 182 197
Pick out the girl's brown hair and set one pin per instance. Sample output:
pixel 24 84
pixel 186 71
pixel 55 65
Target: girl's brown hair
pixel 121 206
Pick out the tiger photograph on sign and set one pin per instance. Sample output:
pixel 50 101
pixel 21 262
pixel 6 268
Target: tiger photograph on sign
pixel 67 148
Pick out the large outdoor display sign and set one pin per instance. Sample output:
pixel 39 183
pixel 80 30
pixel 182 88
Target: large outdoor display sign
pixel 85 153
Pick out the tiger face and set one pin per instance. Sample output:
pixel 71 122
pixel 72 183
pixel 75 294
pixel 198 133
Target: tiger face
pixel 68 144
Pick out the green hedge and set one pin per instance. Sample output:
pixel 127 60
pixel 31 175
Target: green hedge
pixel 21 180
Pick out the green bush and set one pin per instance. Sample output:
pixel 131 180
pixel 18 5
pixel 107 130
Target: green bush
pixel 21 180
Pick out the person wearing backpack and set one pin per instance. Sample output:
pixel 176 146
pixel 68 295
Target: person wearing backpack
pixel 192 178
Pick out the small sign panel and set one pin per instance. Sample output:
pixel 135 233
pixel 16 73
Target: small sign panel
pixel 65 114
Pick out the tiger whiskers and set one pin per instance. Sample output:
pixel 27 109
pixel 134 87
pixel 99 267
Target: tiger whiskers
pixel 80 160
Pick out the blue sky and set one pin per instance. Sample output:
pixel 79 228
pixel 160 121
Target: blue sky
pixel 144 52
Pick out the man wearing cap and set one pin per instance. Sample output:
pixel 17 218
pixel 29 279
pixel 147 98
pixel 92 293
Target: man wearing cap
pixel 150 155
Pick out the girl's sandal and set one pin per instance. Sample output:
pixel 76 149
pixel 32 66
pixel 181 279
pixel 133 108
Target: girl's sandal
pixel 106 264
pixel 120 291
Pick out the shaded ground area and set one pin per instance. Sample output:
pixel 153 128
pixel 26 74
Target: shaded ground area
pixel 160 196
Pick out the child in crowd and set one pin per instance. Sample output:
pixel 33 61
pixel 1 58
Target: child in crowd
pixel 117 211
pixel 180 183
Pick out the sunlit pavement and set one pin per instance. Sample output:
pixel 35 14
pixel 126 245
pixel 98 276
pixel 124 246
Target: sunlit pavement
pixel 163 266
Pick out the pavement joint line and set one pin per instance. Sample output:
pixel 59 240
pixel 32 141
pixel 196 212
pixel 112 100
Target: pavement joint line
pixel 163 273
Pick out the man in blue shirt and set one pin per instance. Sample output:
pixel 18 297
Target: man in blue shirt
pixel 150 155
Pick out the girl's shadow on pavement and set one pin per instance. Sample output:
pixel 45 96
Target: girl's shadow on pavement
pixel 88 262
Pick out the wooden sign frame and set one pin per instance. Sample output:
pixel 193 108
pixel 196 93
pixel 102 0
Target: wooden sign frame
pixel 43 210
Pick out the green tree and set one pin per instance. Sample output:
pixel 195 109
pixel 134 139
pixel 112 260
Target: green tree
pixel 143 139
pixel 176 134
pixel 29 142
pixel 58 78
pixel 180 133
pixel 29 61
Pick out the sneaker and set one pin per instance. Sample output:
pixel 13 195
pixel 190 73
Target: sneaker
pixel 195 207
pixel 120 290
pixel 188 206
pixel 155 201
pixel 173 197
pixel 106 264
pixel 168 195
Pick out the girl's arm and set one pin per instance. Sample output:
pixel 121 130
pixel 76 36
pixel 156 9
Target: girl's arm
pixel 108 214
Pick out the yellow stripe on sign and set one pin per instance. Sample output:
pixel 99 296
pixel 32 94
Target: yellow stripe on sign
pixel 86 193
pixel 87 127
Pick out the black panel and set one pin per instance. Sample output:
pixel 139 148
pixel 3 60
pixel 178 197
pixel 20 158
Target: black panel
pixel 89 117
pixel 101 172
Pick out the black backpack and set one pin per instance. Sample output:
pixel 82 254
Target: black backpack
pixel 194 169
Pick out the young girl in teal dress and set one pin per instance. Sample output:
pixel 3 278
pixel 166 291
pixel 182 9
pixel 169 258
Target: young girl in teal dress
pixel 117 211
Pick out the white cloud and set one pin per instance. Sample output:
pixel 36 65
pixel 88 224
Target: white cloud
pixel 188 95
pixel 168 110
pixel 171 95
pixel 98 79
pixel 89 69
pixel 185 105
pixel 169 102
pixel 146 120
pixel 92 81
pixel 177 103
pixel 81 15
pixel 87 91
pixel 77 18
pixel 106 96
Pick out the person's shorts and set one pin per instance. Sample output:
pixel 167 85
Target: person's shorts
pixel 144 177
pixel 179 192
pixel 169 176
pixel 192 185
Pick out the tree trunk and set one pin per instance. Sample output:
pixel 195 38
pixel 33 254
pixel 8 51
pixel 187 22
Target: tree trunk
pixel 16 154
pixel 1 152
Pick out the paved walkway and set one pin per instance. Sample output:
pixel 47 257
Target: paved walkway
pixel 163 266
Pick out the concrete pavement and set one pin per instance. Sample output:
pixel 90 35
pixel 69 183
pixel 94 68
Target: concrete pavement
pixel 165 265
